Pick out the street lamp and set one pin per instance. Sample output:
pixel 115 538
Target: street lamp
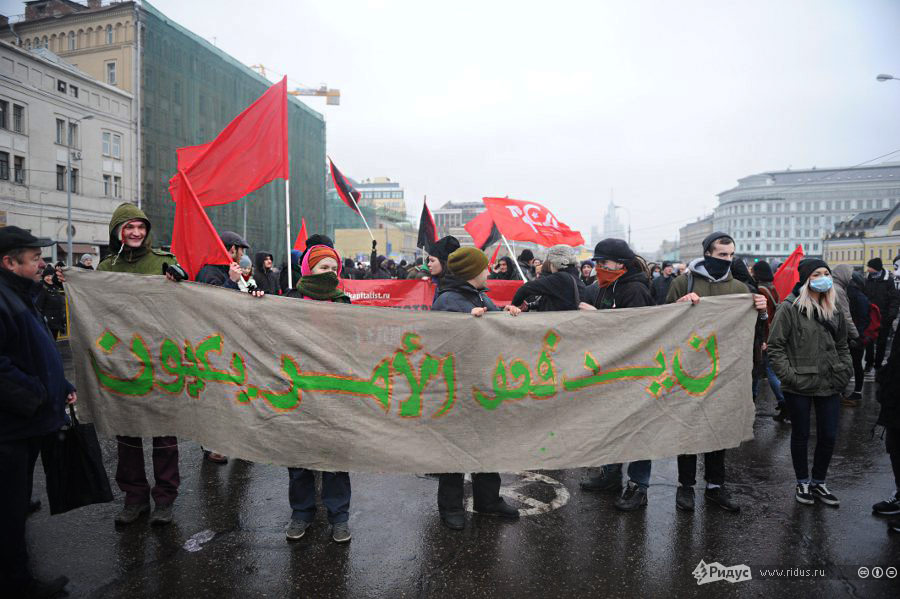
pixel 884 77
pixel 69 140
pixel 616 206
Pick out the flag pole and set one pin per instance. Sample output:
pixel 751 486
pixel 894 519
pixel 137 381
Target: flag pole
pixel 513 256
pixel 363 216
pixel 287 231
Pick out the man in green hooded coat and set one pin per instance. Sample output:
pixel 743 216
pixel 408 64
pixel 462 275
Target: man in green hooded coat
pixel 132 252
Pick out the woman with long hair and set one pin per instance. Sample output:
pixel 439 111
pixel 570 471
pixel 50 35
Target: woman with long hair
pixel 808 351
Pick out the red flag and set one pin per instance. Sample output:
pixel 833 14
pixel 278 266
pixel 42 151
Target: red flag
pixel 787 276
pixel 483 230
pixel 194 239
pixel 346 191
pixel 300 244
pixel 494 257
pixel 529 221
pixel 251 151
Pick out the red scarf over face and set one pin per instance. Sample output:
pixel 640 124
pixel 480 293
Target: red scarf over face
pixel 608 277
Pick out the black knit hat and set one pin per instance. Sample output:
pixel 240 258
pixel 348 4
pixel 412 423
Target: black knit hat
pixel 762 271
pixel 526 256
pixel 807 266
pixel 875 263
pixel 665 264
pixel 443 247
pixel 712 237
pixel 613 249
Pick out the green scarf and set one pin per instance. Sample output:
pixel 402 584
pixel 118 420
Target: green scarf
pixel 323 287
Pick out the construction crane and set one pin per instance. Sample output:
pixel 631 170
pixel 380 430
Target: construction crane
pixel 332 96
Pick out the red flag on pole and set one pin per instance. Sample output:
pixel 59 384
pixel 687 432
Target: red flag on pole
pixel 787 276
pixel 251 151
pixel 300 244
pixel 494 257
pixel 529 221
pixel 195 241
pixel 483 230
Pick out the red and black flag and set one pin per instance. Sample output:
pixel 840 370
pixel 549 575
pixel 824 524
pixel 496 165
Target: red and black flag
pixel 483 230
pixel 427 228
pixel 349 195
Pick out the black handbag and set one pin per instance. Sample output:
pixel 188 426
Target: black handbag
pixel 74 468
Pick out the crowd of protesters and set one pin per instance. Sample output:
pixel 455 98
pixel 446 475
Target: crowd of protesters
pixel 807 347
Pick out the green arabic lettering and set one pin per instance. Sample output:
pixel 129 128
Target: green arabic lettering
pixel 448 371
pixel 192 370
pixel 698 385
pixel 546 369
pixel 599 377
pixel 213 343
pixel 428 369
pixel 140 384
pixel 170 361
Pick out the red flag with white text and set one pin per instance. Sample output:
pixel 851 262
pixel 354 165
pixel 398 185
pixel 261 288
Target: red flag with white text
pixel 519 220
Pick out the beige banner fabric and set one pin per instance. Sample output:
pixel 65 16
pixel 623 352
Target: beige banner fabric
pixel 353 388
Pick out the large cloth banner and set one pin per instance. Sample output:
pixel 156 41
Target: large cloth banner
pixel 414 294
pixel 339 387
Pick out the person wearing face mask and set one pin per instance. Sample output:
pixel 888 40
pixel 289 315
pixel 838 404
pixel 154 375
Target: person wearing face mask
pixel 659 288
pixel 320 271
pixel 808 350
pixel 623 281
pixel 881 291
pixel 706 277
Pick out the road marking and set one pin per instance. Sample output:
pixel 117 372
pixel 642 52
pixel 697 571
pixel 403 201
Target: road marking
pixel 535 507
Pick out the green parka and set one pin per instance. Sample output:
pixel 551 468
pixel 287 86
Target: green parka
pixel 143 261
pixel 807 357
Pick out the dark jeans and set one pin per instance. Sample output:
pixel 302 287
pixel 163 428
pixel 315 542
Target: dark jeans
pixel 892 444
pixel 132 479
pixel 828 410
pixel 859 374
pixel 485 492
pixel 877 348
pixel 774 383
pixel 17 460
pixel 638 472
pixel 335 495
pixel 713 468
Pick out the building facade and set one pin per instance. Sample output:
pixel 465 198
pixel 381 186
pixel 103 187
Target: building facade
pixel 691 236
pixel 62 131
pixel 873 234
pixel 612 226
pixel 383 195
pixel 452 217
pixel 185 91
pixel 770 213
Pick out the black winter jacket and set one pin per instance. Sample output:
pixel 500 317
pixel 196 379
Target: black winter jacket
pixel 216 274
pixel 454 295
pixel 266 280
pixel 561 290
pixel 882 292
pixel 631 290
pixel 888 393
pixel 51 302
pixel 659 288
pixel 33 399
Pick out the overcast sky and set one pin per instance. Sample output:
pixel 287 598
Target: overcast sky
pixel 666 103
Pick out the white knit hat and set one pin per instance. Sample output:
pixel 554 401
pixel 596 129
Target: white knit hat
pixel 561 256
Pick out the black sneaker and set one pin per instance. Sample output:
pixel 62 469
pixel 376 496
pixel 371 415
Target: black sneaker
pixel 888 507
pixel 501 509
pixel 803 495
pixel 684 498
pixel 44 589
pixel 605 482
pixel 454 521
pixel 722 498
pixel 634 497
pixel 822 493
pixel 296 529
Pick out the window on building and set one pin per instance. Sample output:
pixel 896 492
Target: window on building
pixel 109 34
pixel 4 166
pixel 4 114
pixel 73 135
pixel 73 90
pixel 18 118
pixel 19 169
pixel 117 187
pixel 71 40
pixel 45 42
pixel 73 180
pixel 61 86
pixel 107 143
pixel 107 185
pixel 60 178
pixel 111 73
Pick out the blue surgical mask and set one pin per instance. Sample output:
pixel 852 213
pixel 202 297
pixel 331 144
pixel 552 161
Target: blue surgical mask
pixel 822 284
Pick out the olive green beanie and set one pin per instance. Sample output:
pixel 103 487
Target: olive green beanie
pixel 466 263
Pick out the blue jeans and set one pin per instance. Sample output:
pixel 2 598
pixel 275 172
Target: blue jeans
pixel 638 472
pixel 773 382
pixel 828 410
pixel 335 495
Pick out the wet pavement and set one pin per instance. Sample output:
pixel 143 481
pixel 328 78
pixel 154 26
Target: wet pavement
pixel 228 536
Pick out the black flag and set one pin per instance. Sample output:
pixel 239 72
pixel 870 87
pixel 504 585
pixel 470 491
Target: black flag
pixel 427 228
